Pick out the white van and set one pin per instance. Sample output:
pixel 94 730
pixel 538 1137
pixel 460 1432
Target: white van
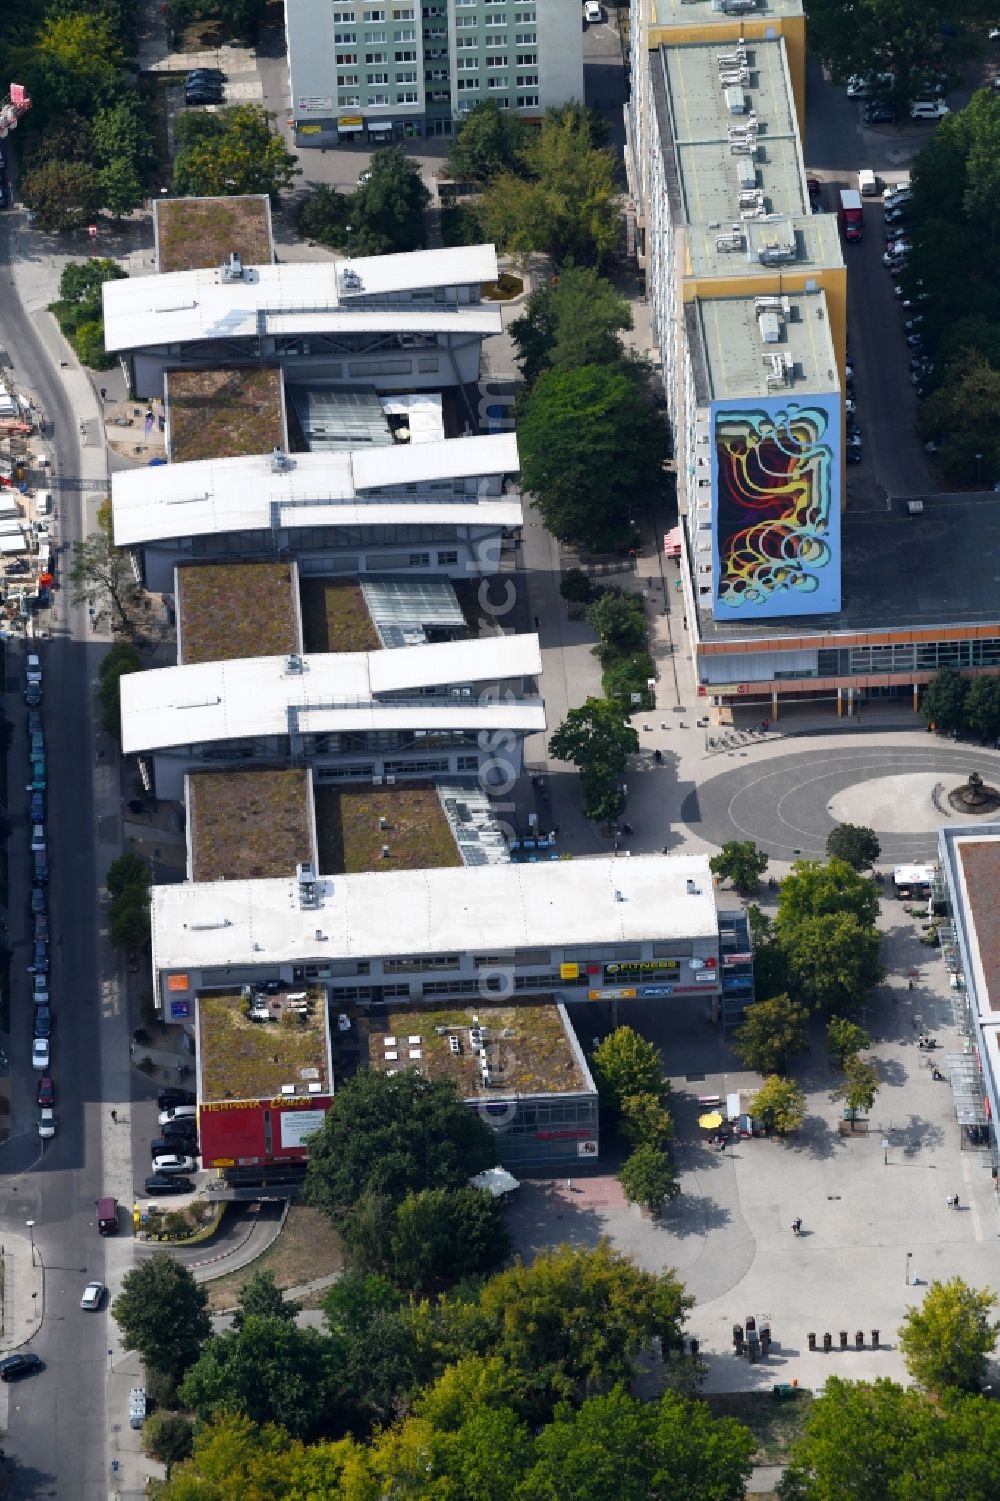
pixel 43 503
pixel 868 183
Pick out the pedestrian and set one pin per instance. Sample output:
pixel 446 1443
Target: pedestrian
pixel 114 1117
pixel 537 622
pixel 104 394
pixel 909 984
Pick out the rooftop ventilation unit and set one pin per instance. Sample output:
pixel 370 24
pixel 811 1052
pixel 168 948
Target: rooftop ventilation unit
pixel 314 1087
pixel 751 198
pixel 780 305
pixel 232 270
pixel 731 241
pixel 777 252
pixel 305 876
pixel 779 369
pixel 279 461
pixel 770 327
pixel 746 174
pixel 736 100
pixel 737 59
pixel 735 7
pixel 692 887
pixel 350 280
pixel 287 1089
pixel 731 76
pixel 295 665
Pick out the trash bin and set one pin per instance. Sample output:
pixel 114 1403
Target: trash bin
pixel 859 1340
pixel 811 1338
pixel 828 1343
pixel 843 1339
pixel 874 1339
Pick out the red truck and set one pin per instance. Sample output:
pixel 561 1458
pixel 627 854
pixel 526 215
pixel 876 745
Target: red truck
pixel 852 223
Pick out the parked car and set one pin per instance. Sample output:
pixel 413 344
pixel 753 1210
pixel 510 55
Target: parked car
pixel 912 324
pixel 38 901
pixel 33 668
pixel 182 1136
pixel 46 1090
pixel 206 94
pixel 33 722
pixel 169 1097
pixel 209 75
pixel 178 1113
pixel 173 1162
pixel 93 1295
pixel 36 745
pixel 41 1057
pixel 896 215
pixel 40 990
pixel 879 114
pixel 33 695
pixel 39 778
pixel 13 1367
pixel 167 1183
pixel 593 13
pixel 43 1022
pixel 36 810
pixel 39 957
pixel 46 1124
pixel 928 109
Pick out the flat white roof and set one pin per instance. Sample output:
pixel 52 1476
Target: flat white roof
pixel 489 909
pixel 237 494
pixel 185 305
pixel 205 702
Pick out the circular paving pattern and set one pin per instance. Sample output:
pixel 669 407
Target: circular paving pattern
pixel 788 804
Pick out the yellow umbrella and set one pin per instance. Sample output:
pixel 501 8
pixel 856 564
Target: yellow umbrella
pixel 711 1122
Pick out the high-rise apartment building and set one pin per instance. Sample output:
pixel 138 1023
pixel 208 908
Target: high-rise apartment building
pixel 384 72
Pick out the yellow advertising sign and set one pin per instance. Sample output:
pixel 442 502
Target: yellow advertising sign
pixel 569 971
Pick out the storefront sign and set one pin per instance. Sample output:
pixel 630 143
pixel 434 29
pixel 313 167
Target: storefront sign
pixel 298 1125
pixel 586 1148
pixel 569 971
pixel 179 1010
pixel 627 970
pixel 611 995
pixel 350 122
pixel 655 992
pixel 729 959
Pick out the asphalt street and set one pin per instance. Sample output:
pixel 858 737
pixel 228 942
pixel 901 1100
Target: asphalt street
pixel 55 1418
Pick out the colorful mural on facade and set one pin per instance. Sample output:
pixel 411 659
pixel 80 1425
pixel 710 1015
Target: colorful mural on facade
pixel 777 518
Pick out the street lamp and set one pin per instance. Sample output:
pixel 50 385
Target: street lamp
pixel 31 1235
pixel 909 1258
pixel 885 1150
pixel 979 471
pixel 348 227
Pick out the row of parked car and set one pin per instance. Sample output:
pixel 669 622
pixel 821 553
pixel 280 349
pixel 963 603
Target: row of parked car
pixel 174 1152
pixel 204 86
pixel 38 969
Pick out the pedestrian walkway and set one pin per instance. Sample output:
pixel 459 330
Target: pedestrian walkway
pixel 23 1290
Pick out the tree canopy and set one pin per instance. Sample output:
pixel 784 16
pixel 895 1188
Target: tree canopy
pixel 889 37
pixel 741 862
pixel 781 1104
pixel 573 320
pixel 833 961
pixel 771 1031
pixel 813 889
pixel 162 1312
pixel 857 846
pixel 101 577
pixel 488 140
pixel 268 1370
pixel 79 310
pixel 943 703
pixel 562 200
pixel 591 444
pixel 121 659
pixel 648 1177
pixel 232 152
pixel 859 1086
pixel 626 1066
pixel 128 909
pixel 946 1340
pixel 384 214
pixel 596 737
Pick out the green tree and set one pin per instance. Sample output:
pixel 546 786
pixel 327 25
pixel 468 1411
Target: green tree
pixel 877 1439
pixel 62 195
pixel 781 1104
pixel 167 1437
pixel 387 211
pixel 80 291
pixel 391 1135
pixel 356 1299
pixel 886 36
pixel 619 618
pixel 262 1298
pixel 573 1322
pixel 741 862
pixel 128 912
pixel 573 320
pixel 968 397
pixel 240 18
pixel 845 1038
pixel 648 1177
pixel 88 341
pixel 576 588
pixel 618 1446
pixel 597 738
pixel 239 154
pixel 566 202
pixel 943 703
pixel 121 658
pixel 817 890
pixel 442 1235
pixel 625 1066
pixel 487 140
pixel 859 1086
pixel 591 444
pixel 853 843
pixel 946 1341
pixel 770 967
pixel 484 1456
pixel 770 1032
pixel 74 62
pixel 234 1457
pixel 833 962
pixel 161 1311
pixel 269 1371
pixel 645 1118
pixel 101 577
pixel 982 707
pixel 324 215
